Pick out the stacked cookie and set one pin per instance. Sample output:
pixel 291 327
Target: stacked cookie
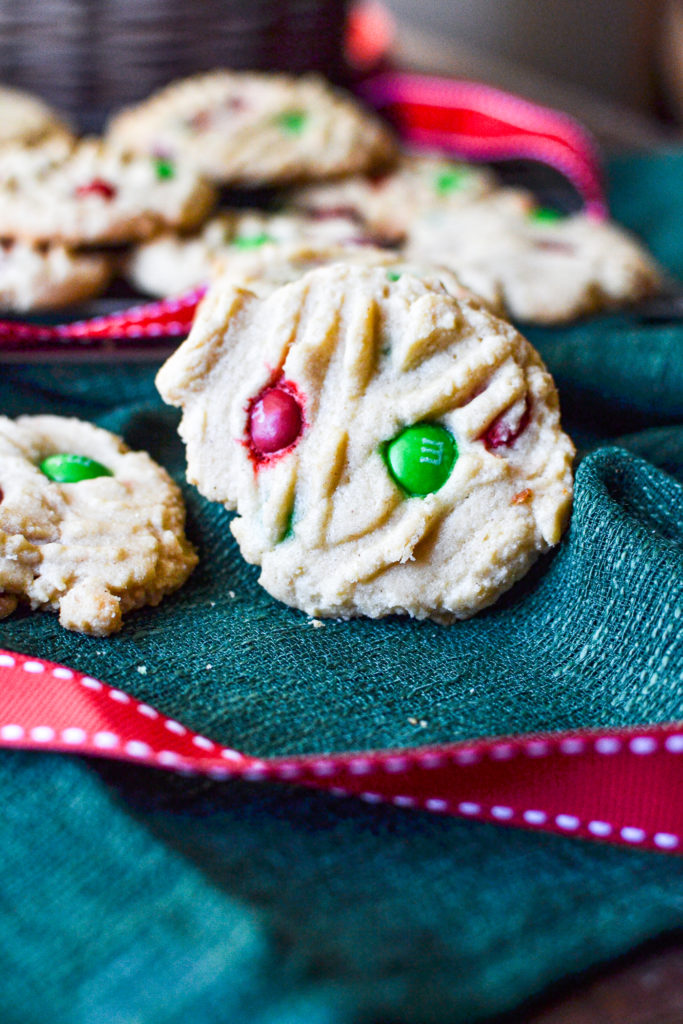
pixel 350 184
pixel 68 207
pixel 65 204
pixel 333 175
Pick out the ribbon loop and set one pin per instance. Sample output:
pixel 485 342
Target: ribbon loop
pixel 479 122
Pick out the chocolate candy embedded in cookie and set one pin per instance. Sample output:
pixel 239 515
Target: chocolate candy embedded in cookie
pixel 88 527
pixel 275 420
pixel 388 494
pixel 421 458
pixel 545 215
pixel 292 121
pixel 252 241
pixel 165 169
pixel 97 187
pixel 66 468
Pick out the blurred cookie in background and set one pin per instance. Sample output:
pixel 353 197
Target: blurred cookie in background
pixel 35 276
pixel 540 265
pixel 26 118
pixel 172 263
pixel 254 129
pixel 387 203
pixel 97 194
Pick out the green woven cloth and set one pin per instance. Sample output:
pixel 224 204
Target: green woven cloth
pixel 134 897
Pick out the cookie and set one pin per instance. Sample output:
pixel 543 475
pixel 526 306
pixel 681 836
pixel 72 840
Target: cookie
pixel 97 194
pixel 88 527
pixel 388 448
pixel 543 267
pixel 20 160
pixel 262 269
pixel 387 204
pixel 253 128
pixel 171 264
pixel 36 277
pixel 25 118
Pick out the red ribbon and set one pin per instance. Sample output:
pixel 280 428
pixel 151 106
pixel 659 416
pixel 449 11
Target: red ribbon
pixel 169 318
pixel 615 785
pixel 478 122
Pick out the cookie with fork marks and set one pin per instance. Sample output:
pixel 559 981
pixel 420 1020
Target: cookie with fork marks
pixel 388 447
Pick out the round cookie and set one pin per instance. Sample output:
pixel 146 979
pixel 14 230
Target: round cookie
pixel 35 277
pixel 541 266
pixel 25 118
pixel 387 204
pixel 94 533
pixel 254 128
pixel 97 194
pixel 171 264
pixel 388 448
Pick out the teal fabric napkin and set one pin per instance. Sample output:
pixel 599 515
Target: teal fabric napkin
pixel 130 896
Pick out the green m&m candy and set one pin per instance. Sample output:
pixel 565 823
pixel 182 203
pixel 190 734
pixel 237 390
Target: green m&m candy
pixel 421 458
pixel 545 215
pixel 67 468
pixel 450 180
pixel 292 122
pixel 251 241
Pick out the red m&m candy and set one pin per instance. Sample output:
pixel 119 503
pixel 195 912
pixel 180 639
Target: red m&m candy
pixel 275 421
pixel 97 187
pixel 506 428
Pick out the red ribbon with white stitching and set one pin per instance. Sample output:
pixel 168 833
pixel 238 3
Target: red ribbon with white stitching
pixel 617 785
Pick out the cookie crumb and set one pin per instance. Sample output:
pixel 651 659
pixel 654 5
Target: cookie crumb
pixel 142 669
pixel 413 721
pixel 231 593
pixel 316 623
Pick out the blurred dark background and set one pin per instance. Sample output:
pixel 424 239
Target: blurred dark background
pixel 88 57
pixel 616 64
